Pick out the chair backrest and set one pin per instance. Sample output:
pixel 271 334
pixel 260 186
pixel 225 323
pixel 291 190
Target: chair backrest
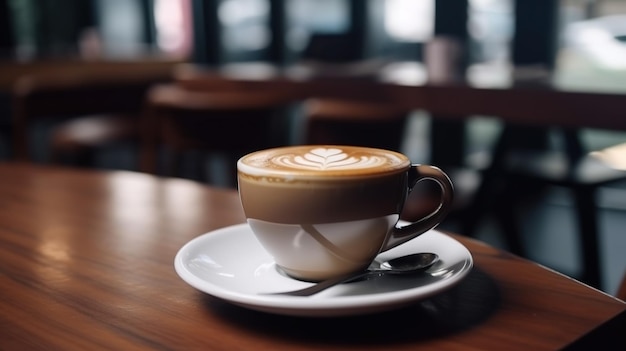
pixel 231 121
pixel 357 123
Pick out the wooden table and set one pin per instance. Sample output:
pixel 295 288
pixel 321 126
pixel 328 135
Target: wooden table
pixel 86 263
pixel 543 99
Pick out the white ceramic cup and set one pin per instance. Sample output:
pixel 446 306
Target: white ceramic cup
pixel 323 211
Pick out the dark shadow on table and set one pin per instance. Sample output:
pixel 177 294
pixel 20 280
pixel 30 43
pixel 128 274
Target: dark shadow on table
pixel 462 307
pixel 605 336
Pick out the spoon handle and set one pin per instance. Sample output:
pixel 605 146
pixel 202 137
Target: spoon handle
pixel 324 284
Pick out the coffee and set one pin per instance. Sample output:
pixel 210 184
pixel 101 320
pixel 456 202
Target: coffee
pixel 321 184
pixel 324 211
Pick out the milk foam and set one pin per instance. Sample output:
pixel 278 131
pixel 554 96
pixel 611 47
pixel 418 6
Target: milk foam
pixel 313 159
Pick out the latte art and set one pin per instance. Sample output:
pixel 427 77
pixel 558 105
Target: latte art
pixel 322 158
pixel 308 162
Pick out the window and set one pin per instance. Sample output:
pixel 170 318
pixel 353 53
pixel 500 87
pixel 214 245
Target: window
pixel 409 20
pixel 245 29
pixel 306 18
pixel 491 29
pixel 172 19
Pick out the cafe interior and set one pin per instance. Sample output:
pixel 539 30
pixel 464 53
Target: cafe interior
pixel 175 88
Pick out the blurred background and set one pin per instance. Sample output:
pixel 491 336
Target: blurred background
pixel 580 43
pixel 219 31
pixel 586 38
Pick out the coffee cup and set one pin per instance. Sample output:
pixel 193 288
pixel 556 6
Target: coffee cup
pixel 324 211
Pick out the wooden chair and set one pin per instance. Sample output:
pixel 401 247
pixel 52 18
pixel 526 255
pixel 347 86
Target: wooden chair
pixel 95 110
pixel 230 122
pixel 517 172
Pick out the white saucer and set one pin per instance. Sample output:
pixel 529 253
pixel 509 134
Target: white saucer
pixel 230 264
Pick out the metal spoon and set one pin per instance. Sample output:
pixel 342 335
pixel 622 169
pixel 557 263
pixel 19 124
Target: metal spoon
pixel 400 265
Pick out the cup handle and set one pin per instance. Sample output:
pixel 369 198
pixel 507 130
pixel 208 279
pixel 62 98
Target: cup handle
pixel 418 173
